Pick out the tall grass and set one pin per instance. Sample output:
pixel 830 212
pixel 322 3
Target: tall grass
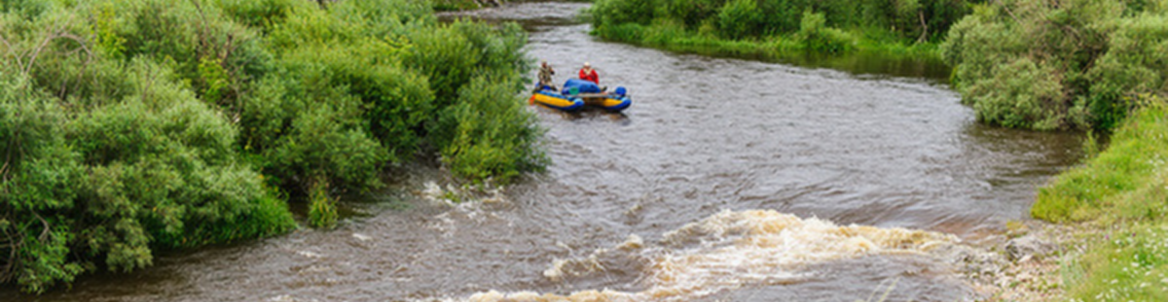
pixel 1124 183
pixel 1123 192
pixel 322 209
pixel 1127 264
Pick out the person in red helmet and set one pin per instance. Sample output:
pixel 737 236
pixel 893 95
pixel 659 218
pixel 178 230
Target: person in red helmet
pixel 589 74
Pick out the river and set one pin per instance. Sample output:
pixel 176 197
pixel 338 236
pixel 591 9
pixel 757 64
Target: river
pixel 727 180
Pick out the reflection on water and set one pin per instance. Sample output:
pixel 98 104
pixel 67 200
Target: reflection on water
pixel 727 179
pixel 868 64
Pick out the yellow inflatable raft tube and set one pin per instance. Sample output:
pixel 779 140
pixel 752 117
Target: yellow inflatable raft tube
pixel 555 100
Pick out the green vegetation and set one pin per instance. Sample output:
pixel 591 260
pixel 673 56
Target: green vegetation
pixel 130 126
pixel 455 5
pixel 1124 192
pixel 1094 65
pixel 1059 65
pixel 322 209
pixel 1131 266
pixel 1125 182
pixel 780 28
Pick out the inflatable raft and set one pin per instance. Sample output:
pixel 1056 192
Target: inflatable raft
pixel 577 93
pixel 550 98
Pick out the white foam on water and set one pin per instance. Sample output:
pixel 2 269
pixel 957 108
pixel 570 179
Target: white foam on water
pixel 595 261
pixel 467 205
pixel 729 250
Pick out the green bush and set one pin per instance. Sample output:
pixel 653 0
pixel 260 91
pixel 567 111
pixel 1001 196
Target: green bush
pixel 606 13
pixel 258 14
pixel 26 8
pixel 306 24
pixel 216 56
pixel 322 209
pixel 487 134
pixel 37 180
pixel 446 57
pixel 130 126
pixel 627 32
pixel 1101 53
pixel 321 142
pixel 1019 95
pixel 738 19
pixel 179 156
pixel 692 12
pixel 501 47
pixel 156 169
pixel 379 18
pixel 389 90
pixel 816 36
pixel 389 104
pixel 783 16
pixel 1135 63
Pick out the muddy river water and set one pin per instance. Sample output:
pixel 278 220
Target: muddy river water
pixel 727 180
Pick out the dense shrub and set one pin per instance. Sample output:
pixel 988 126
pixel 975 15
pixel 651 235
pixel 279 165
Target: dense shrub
pixel 692 12
pixel 482 138
pixel 322 142
pixel 259 14
pixel 37 179
pixel 378 18
pixel 817 37
pixel 618 12
pixel 738 19
pixel 155 169
pixel 128 126
pixel 1090 59
pixel 1136 63
pixel 1019 95
pixel 783 16
pixel 322 209
pixel 446 57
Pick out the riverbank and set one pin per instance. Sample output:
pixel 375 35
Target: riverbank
pixel 1107 237
pixel 1121 198
pixel 1107 232
pixel 779 31
pixel 774 48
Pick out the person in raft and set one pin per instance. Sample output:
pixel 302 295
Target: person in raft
pixel 545 76
pixel 589 74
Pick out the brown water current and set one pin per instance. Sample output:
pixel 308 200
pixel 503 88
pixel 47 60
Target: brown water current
pixel 727 180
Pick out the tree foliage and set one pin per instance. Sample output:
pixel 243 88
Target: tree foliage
pixel 1058 64
pixel 128 126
